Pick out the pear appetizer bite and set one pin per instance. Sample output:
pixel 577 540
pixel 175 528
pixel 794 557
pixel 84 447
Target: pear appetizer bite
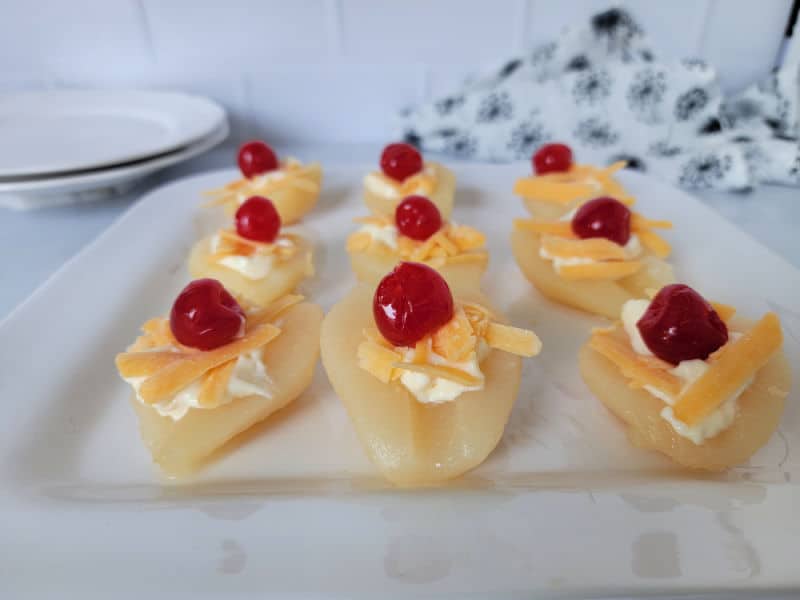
pixel 215 368
pixel 428 381
pixel 256 260
pixel 403 173
pixel 689 379
pixel 417 233
pixel 559 185
pixel 594 259
pixel 292 186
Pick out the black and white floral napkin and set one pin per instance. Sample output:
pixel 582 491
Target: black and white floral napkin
pixel 601 89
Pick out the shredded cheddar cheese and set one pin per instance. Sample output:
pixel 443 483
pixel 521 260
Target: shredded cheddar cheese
pixel 609 260
pixel 450 245
pixel 521 342
pixel 724 311
pixel 293 175
pixel 642 370
pixel 232 244
pixel 581 182
pixel 596 248
pixel 730 368
pixel 456 341
pixel 215 383
pixel 378 360
pixel 176 375
pixel 168 371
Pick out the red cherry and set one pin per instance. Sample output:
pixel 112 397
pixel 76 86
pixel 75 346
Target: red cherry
pixel 258 220
pixel 411 302
pixel 680 325
pixel 399 161
pixel 417 217
pixel 205 315
pixel 604 218
pixel 552 158
pixel 255 158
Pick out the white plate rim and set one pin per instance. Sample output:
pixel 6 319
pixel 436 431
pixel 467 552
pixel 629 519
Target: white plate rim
pixel 32 194
pixel 191 117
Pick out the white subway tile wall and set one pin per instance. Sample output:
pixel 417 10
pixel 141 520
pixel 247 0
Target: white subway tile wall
pixel 337 70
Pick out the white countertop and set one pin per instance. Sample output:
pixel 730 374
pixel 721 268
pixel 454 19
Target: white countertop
pixel 35 244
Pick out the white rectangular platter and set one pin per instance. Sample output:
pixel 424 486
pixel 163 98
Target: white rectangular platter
pixel 563 507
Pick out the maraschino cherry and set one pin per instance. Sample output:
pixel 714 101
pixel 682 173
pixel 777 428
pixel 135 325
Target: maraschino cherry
pixel 400 161
pixel 411 302
pixel 205 316
pixel 258 220
pixel 680 325
pixel 256 158
pixel 417 217
pixel 605 218
pixel 552 158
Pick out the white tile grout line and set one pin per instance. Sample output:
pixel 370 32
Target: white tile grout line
pixel 334 28
pixel 523 13
pixel 144 24
pixel 703 35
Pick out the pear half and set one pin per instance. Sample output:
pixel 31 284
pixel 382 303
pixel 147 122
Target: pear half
pixel 603 297
pixel 412 443
pixel 180 447
pixel 282 279
pixel 291 202
pixel 759 410
pixel 443 196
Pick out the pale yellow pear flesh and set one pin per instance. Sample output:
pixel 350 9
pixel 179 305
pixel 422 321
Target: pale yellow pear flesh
pixel 759 410
pixel 543 209
pixel 292 203
pixel 411 443
pixel 443 196
pixel 372 267
pixel 180 447
pixel 281 280
pixel 604 298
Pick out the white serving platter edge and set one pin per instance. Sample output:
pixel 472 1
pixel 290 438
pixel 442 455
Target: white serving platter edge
pixel 564 507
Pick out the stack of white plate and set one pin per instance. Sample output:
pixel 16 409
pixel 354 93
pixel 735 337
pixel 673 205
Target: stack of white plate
pixel 62 147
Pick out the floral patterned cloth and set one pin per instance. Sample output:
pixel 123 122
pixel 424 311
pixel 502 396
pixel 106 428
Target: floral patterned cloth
pixel 600 89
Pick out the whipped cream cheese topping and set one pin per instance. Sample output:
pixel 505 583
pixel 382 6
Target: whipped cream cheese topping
pixel 688 371
pixel 249 378
pixel 386 234
pixel 436 390
pixel 256 265
pixel 633 249
pixel 379 184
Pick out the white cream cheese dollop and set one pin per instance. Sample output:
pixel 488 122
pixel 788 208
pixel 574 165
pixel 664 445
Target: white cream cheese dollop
pixel 259 181
pixel 256 266
pixel 249 378
pixel 632 311
pixel 386 234
pixel 436 390
pixel 632 249
pixel 377 184
pixel 688 371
